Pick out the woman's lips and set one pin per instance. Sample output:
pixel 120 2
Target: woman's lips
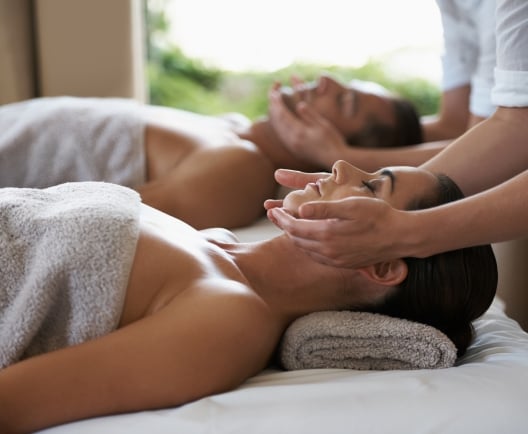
pixel 315 186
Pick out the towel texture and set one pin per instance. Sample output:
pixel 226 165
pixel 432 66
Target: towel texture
pixel 49 141
pixel 65 261
pixel 363 341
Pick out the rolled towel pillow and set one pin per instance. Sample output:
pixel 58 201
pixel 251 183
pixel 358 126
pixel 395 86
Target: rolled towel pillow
pixel 363 341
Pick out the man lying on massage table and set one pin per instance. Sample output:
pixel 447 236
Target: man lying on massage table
pixel 196 313
pixel 160 151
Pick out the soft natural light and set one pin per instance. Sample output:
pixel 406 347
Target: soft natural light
pixel 271 34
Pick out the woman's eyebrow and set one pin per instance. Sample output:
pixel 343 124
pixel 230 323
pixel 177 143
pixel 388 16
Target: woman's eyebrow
pixel 390 174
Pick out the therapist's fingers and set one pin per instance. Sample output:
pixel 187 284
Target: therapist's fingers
pixel 352 232
pixel 272 203
pixel 302 228
pixel 296 81
pixel 287 125
pixel 276 86
pixel 357 209
pixel 312 236
pixel 326 241
pixel 309 115
pixel 296 179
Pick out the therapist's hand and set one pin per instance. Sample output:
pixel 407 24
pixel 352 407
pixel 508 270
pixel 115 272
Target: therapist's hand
pixel 292 179
pixel 307 135
pixel 352 232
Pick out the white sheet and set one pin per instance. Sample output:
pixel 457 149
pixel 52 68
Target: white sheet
pixel 487 393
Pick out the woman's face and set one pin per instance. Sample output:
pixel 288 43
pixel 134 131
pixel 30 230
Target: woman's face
pixel 348 108
pixel 399 186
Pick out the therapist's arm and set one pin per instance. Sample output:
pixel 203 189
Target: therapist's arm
pixel 488 154
pixel 454 117
pixel 327 230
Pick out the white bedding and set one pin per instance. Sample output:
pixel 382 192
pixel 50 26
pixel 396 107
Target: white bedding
pixel 487 392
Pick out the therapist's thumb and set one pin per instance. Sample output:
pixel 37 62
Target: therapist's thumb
pixel 318 210
pixel 344 209
pixel 296 179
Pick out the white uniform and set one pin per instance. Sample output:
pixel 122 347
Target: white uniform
pixel 469 50
pixel 511 73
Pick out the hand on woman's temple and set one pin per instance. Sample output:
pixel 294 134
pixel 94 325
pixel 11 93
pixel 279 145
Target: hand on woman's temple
pixel 306 134
pixel 352 232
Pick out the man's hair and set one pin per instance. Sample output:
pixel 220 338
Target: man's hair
pixel 406 131
pixel 447 290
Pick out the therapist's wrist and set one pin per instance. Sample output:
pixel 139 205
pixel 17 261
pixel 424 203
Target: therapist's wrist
pixel 429 232
pixel 415 235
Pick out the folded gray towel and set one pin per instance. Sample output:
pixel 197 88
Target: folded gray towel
pixel 64 264
pixel 363 341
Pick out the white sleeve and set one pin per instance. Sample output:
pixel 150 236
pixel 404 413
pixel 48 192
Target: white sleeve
pixel 511 72
pixel 460 49
pixel 482 80
pixel 469 50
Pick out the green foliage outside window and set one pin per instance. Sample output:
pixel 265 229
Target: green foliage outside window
pixel 177 80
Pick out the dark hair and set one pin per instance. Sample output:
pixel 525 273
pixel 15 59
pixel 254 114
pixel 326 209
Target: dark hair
pixel 447 290
pixel 406 131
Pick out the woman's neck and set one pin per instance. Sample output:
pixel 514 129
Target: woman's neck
pixel 290 282
pixel 263 135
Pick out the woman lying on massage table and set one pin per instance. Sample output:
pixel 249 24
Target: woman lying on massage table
pixel 202 313
pixel 159 151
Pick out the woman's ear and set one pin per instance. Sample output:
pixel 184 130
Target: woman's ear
pixel 388 273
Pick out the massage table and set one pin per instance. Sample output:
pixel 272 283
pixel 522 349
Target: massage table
pixel 486 392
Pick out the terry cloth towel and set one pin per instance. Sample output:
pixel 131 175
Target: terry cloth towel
pixel 363 341
pixel 65 260
pixel 50 141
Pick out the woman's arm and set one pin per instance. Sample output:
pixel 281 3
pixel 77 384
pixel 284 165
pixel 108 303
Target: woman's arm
pixel 207 340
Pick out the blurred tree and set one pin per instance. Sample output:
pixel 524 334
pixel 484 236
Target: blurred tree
pixel 174 79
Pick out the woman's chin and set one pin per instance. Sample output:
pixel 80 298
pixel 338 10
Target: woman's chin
pixel 292 211
pixel 291 207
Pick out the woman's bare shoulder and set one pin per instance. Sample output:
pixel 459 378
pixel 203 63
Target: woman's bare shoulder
pixel 234 311
pixel 235 300
pixel 208 339
pixel 229 329
pixel 219 235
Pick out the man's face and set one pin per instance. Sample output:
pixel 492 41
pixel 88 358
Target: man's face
pixel 348 108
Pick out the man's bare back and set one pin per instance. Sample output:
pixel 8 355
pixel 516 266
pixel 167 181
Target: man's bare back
pixel 209 171
pixel 200 169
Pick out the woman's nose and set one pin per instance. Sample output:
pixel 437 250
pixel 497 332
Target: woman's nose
pixel 345 172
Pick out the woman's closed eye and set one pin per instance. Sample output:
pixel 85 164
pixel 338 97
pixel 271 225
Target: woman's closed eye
pixel 369 185
pixel 374 185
